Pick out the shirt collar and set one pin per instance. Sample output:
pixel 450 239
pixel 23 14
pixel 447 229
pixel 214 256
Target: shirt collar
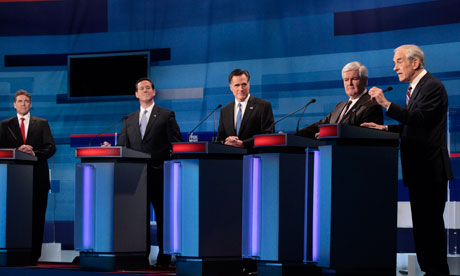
pixel 417 79
pixel 27 116
pixel 149 109
pixel 243 103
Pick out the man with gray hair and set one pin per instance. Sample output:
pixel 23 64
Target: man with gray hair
pixel 357 109
pixel 425 159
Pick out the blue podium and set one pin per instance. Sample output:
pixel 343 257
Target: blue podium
pixel 111 225
pixel 275 196
pixel 16 193
pixel 202 212
pixel 355 200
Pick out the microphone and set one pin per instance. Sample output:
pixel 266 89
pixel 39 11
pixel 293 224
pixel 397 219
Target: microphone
pixel 389 88
pixel 279 120
pixel 202 121
pixel 105 129
pixel 301 115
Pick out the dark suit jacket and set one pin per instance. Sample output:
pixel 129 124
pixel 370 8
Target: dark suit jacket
pixel 364 110
pixel 161 131
pixel 257 119
pixel 423 128
pixel 39 137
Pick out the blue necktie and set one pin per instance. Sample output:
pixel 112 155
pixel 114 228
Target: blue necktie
pixel 238 119
pixel 143 124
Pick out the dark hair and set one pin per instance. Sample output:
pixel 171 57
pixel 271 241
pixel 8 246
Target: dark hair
pixel 22 92
pixel 145 79
pixel 238 72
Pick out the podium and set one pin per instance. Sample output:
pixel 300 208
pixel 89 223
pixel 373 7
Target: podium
pixel 202 212
pixel 274 203
pixel 16 194
pixel 111 225
pixel 355 200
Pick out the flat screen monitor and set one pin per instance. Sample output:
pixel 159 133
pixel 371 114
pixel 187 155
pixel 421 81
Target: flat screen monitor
pixel 106 74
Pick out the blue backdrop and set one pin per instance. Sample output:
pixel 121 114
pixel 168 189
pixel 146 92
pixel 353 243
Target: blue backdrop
pixel 294 51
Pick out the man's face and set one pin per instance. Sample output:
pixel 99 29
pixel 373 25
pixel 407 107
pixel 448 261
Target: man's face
pixel 405 69
pixel 353 83
pixel 240 87
pixel 145 92
pixel 22 104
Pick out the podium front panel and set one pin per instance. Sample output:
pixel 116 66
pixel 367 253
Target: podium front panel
pixel 355 207
pixel 202 215
pixel 111 205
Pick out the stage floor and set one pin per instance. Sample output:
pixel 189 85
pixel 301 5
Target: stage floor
pixel 52 269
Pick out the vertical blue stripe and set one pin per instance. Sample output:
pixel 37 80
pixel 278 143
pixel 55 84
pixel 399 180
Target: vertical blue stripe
pixel 3 192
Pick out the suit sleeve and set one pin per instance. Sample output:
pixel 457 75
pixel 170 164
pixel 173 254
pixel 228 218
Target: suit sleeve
pixel 426 112
pixel 173 129
pixel 123 140
pixel 47 147
pixel 312 129
pixel 266 123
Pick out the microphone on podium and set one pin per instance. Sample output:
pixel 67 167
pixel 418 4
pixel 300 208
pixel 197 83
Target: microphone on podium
pixel 202 121
pixel 105 129
pixel 303 107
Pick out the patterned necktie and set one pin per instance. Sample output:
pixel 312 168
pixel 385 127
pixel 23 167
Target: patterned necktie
pixel 23 130
pixel 238 119
pixel 344 111
pixel 408 94
pixel 143 124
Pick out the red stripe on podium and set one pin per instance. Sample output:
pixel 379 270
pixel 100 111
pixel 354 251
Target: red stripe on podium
pixel 270 140
pixel 6 153
pixel 328 131
pixel 189 147
pixel 98 152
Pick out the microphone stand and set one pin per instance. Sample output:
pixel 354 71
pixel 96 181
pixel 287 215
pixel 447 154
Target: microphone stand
pixel 279 120
pixel 105 129
pixel 202 121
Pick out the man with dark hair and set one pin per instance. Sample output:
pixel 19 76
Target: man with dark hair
pixel 425 159
pixel 31 135
pixel 244 117
pixel 152 129
pixel 357 109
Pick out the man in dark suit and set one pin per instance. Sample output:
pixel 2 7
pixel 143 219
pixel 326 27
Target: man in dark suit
pixel 354 111
pixel 31 135
pixel 152 129
pixel 425 159
pixel 244 117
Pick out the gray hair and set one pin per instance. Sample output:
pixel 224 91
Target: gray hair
pixel 413 52
pixel 355 65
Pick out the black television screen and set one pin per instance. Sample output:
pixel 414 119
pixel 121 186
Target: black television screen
pixel 106 74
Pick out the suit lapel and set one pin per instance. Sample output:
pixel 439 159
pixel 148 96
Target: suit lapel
pixel 32 129
pixel 15 130
pixel 250 107
pixel 336 113
pixel 419 86
pixel 354 109
pixel 152 120
pixel 230 122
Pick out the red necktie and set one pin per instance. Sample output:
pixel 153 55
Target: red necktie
pixel 23 130
pixel 408 94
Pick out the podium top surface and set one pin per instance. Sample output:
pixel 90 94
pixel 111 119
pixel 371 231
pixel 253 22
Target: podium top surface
pixel 285 140
pixel 14 154
pixel 205 148
pixel 110 152
pixel 343 131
